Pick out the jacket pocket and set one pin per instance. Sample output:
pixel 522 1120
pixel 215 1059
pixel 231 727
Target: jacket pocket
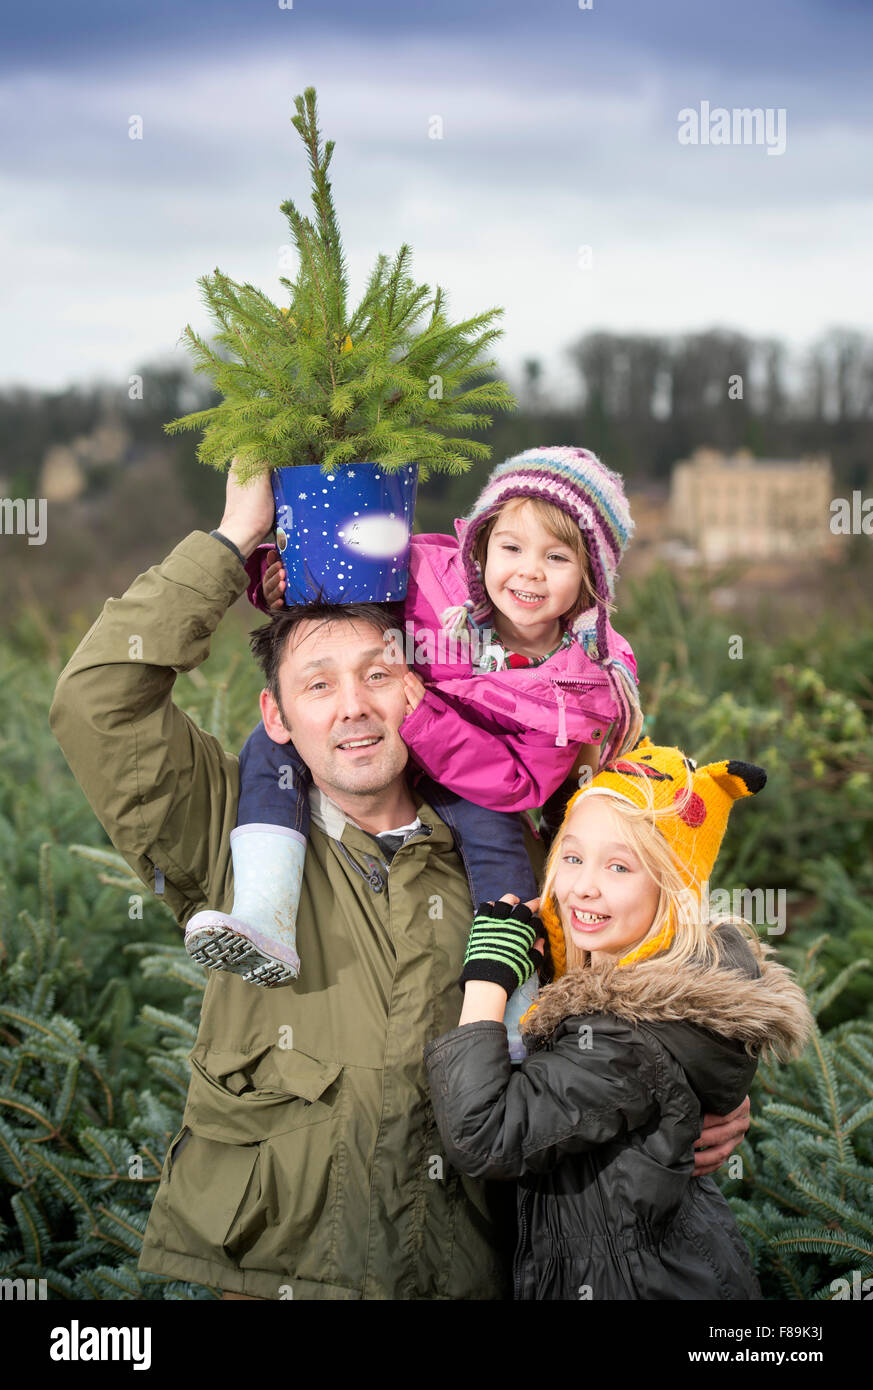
pixel 242 1097
pixel 204 1187
pixel 178 1145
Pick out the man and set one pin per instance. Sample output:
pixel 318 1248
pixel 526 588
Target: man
pixel 308 1164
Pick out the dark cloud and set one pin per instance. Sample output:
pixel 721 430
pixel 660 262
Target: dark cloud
pixel 779 38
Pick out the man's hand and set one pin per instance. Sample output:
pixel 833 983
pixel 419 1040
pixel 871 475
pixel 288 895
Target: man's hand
pixel 719 1137
pixel 249 511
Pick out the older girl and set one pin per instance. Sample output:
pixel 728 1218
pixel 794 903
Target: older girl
pixel 653 1016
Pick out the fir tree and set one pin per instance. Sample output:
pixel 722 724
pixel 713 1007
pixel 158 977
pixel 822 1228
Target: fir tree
pixel 316 384
pixel 803 1203
pixel 99 1003
pixel 82 1143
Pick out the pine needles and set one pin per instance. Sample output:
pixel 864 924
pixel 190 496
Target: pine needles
pixel 390 382
pixel 803 1203
pixel 81 1148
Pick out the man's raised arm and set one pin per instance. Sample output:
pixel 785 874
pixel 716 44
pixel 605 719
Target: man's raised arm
pixel 164 790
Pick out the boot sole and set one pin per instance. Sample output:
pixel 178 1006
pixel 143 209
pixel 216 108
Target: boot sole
pixel 222 949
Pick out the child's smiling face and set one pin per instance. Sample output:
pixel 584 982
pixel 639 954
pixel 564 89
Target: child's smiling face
pixel 606 897
pixel 532 578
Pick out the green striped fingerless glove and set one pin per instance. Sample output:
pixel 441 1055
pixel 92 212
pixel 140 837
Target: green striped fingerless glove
pixel 500 946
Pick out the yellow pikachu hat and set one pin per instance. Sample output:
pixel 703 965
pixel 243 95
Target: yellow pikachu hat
pixel 659 777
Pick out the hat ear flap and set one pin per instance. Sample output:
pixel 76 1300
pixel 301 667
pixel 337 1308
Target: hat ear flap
pixel 551 920
pixel 736 778
pixel 644 744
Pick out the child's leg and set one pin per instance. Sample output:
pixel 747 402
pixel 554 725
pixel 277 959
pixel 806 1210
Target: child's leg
pixel 491 846
pixel 257 939
pixel 490 843
pixel 273 784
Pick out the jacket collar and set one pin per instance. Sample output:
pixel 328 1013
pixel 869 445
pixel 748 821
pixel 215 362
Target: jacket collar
pixel 334 822
pixel 741 995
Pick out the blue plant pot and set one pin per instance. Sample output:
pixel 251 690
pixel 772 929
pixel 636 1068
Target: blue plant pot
pixel 344 536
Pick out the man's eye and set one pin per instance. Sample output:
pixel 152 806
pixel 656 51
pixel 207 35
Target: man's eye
pixel 383 675
pixel 319 685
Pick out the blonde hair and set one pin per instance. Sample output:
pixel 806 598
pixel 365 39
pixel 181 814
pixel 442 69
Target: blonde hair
pixel 679 903
pixel 564 529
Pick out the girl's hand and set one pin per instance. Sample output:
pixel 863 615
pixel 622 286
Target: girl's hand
pixel 503 945
pixel 534 905
pixel 510 897
pixel 273 582
pixel 488 982
pixel 414 690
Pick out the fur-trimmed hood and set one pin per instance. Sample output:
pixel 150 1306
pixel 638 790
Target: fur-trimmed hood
pixel 712 1016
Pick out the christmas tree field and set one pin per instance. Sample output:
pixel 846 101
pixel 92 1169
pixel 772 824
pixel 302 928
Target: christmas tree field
pixel 99 1001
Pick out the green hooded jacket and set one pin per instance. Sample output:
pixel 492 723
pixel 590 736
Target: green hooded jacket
pixel 308 1164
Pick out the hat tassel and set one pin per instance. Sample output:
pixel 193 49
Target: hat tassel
pixel 456 620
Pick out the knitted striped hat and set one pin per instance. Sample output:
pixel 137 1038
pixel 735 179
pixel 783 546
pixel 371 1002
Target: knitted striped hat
pixel 576 481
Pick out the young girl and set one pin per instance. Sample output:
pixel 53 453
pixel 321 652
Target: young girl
pixel 520 679
pixel 654 1017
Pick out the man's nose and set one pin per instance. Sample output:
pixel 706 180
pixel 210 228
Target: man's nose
pixel 353 699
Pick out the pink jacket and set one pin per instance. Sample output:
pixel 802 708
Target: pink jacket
pixel 508 739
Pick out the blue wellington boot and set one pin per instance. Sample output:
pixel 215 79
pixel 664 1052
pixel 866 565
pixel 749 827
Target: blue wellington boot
pixel 257 940
pixel 516 1005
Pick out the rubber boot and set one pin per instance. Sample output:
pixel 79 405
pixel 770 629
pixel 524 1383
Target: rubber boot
pixel 258 939
pixel 517 1004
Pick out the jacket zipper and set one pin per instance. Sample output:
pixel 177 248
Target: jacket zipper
pixel 559 684
pixel 522 1240
pixel 373 878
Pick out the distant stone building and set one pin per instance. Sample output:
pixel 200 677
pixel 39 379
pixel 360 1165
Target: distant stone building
pixel 66 468
pixel 61 478
pixel 756 509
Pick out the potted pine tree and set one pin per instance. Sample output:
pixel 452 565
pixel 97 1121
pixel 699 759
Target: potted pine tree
pixel 346 410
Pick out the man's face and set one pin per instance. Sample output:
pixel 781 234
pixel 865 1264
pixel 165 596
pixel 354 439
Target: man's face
pixel 343 701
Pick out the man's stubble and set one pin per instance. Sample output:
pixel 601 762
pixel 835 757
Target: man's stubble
pixel 367 782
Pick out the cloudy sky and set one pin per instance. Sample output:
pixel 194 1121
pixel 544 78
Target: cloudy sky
pixel 559 132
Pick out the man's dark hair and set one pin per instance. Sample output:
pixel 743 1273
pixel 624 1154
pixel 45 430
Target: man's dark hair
pixel 268 643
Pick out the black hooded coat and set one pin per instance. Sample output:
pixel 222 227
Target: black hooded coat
pixel 598 1124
